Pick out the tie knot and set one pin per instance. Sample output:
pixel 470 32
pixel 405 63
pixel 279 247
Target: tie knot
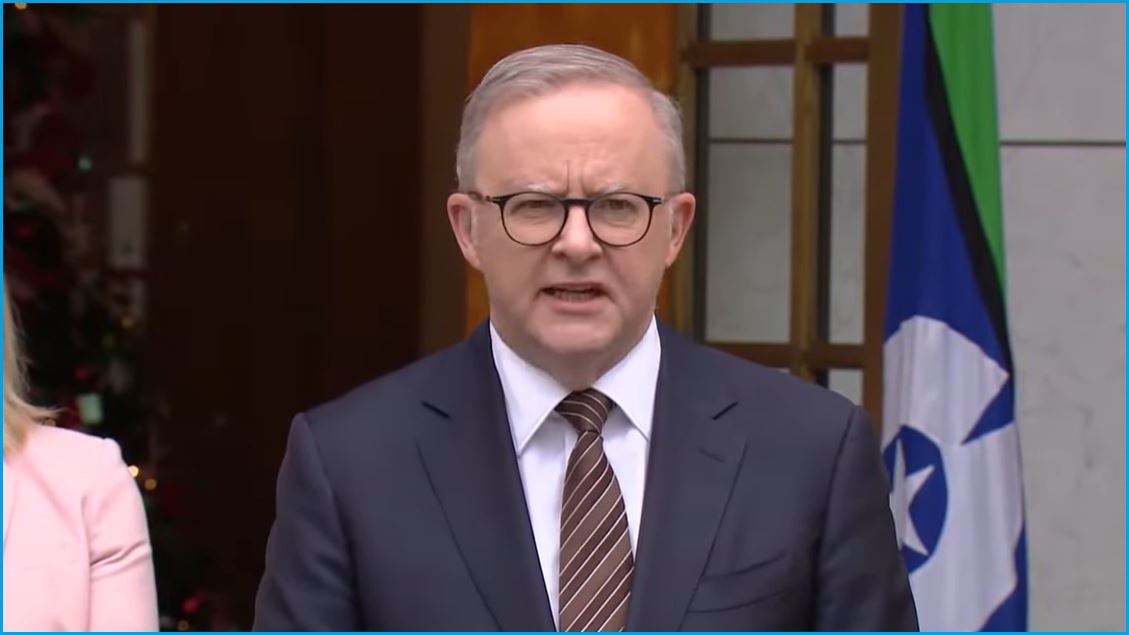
pixel 587 410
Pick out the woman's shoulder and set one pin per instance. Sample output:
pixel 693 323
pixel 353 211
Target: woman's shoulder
pixel 69 453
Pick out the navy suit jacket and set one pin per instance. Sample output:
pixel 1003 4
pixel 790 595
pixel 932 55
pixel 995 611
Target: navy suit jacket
pixel 400 507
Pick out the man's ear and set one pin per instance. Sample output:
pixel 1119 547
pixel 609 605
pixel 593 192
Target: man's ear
pixel 682 209
pixel 460 212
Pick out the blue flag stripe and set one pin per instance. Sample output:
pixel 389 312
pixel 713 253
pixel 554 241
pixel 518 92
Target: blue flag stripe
pixel 940 268
pixel 931 272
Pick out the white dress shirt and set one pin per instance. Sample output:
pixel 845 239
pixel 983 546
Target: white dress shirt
pixel 543 439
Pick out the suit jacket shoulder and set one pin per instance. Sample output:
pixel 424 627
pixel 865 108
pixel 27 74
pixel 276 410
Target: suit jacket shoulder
pixel 794 430
pixel 354 410
pixel 770 398
pixel 379 423
pixel 778 448
pixel 73 520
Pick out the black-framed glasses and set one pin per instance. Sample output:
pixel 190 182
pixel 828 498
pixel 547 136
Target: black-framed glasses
pixel 617 219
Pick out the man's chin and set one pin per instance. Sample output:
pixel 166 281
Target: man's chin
pixel 568 340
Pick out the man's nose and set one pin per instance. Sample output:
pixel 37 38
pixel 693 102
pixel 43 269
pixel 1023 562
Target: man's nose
pixel 576 239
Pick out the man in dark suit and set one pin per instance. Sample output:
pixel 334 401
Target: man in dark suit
pixel 575 465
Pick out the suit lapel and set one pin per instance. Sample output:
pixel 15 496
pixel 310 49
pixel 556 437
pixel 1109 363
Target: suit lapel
pixel 468 454
pixel 693 461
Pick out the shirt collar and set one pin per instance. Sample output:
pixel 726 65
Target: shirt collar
pixel 532 394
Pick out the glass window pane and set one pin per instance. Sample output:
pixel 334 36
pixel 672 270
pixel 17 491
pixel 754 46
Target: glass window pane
pixel 750 103
pixel 848 202
pixel 748 233
pixel 852 19
pixel 751 21
pixel 846 382
pixel 849 102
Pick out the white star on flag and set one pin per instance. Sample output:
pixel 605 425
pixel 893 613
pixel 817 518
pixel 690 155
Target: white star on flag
pixel 905 490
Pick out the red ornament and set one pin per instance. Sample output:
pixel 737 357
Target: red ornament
pixel 191 604
pixel 54 148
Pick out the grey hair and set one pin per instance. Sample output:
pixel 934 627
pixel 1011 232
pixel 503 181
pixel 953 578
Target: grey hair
pixel 541 70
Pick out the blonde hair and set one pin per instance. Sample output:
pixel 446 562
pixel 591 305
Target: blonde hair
pixel 19 415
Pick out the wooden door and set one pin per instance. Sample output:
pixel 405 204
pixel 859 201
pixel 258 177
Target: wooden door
pixel 285 243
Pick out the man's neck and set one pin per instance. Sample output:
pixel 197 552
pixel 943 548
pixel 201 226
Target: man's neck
pixel 576 375
pixel 575 372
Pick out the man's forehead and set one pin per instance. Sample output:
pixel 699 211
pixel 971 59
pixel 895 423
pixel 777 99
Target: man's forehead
pixel 580 102
pixel 563 149
pixel 559 169
pixel 594 185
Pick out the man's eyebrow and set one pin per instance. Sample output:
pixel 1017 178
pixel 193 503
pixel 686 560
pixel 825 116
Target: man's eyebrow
pixel 611 188
pixel 542 188
pixel 531 186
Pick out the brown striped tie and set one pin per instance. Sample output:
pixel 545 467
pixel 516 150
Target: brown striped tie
pixel 595 557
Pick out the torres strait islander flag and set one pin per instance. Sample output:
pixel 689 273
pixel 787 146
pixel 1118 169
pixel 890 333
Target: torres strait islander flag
pixel 950 439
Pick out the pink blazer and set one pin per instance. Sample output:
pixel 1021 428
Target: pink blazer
pixel 76 542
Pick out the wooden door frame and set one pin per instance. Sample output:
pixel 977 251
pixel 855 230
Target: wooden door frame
pixel 808 351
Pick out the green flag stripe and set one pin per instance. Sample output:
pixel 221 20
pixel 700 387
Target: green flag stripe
pixel 962 34
pixel 987 273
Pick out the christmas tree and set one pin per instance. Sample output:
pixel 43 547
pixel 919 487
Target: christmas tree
pixel 82 331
